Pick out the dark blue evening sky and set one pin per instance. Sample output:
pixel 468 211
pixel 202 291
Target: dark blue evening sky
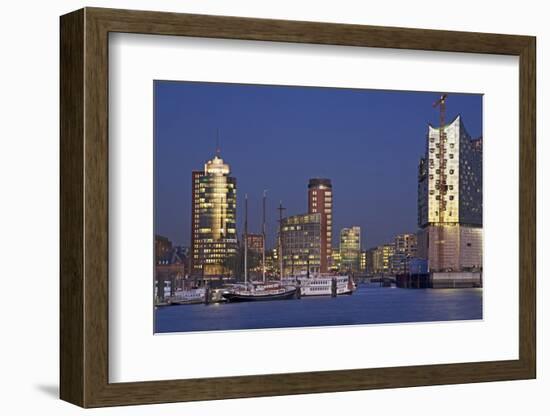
pixel 368 142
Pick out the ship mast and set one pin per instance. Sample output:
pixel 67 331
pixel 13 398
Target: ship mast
pixel 281 209
pixel 245 239
pixel 263 237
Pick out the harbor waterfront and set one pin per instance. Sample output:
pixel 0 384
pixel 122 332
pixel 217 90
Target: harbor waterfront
pixel 315 220
pixel 369 304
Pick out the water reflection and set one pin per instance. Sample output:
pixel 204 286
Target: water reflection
pixel 368 305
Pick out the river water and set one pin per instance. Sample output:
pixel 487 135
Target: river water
pixel 368 305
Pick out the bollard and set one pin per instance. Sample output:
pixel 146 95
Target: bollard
pixel 206 294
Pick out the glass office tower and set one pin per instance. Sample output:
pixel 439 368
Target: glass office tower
pixel 214 214
pixel 350 249
pixel 301 241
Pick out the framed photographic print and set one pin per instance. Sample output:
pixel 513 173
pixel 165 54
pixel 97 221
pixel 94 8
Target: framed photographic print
pixel 256 207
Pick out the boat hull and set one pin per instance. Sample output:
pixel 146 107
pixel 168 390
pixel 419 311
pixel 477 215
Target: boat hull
pixel 187 302
pixel 328 293
pixel 241 297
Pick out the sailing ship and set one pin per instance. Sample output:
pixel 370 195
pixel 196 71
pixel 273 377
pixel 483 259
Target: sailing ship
pixel 258 291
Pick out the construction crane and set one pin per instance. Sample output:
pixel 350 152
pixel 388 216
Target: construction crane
pixel 441 103
pixel 442 177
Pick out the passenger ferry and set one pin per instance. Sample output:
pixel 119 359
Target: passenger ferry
pixel 319 285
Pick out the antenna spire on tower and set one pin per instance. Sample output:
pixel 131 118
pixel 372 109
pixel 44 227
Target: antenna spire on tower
pixel 218 150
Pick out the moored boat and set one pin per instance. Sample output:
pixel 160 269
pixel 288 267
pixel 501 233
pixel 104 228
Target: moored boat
pixel 187 297
pixel 322 285
pixel 260 292
pixel 257 291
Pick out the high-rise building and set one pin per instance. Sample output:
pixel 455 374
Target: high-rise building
pixel 405 248
pixel 320 201
pixel 195 266
pixel 301 244
pixel 350 249
pixel 381 257
pixel 406 244
pixel 213 212
pixel 450 199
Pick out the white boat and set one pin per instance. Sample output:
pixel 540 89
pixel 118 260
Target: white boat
pixel 188 296
pixel 321 285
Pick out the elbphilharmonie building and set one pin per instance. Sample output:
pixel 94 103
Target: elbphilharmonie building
pixel 450 199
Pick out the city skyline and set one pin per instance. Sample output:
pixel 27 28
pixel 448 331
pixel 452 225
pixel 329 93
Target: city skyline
pixel 374 188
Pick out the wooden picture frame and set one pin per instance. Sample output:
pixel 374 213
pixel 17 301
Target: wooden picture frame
pixel 84 207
